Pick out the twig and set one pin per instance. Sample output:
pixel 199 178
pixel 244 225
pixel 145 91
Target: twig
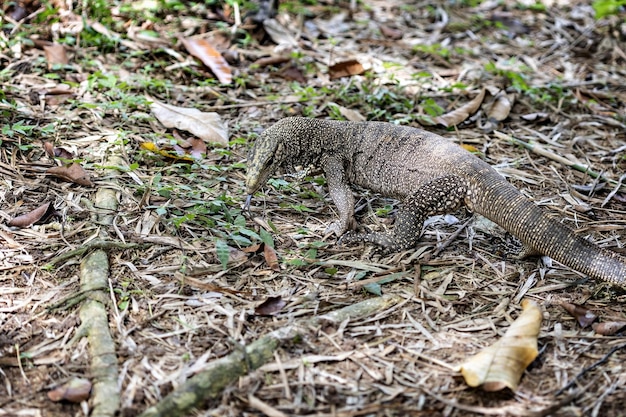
pixel 96 244
pixel 222 372
pixel 590 368
pixel 540 150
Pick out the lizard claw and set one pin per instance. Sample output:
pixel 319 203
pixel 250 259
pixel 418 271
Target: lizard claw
pixel 246 206
pixel 335 227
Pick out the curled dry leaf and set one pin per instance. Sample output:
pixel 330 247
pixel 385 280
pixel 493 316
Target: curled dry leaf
pixel 292 73
pixel 75 390
pixel 55 54
pixel 502 364
pixel 72 173
pixel 271 257
pixel 206 126
pixel 32 217
pixel 204 51
pixel 501 106
pixel 345 69
pixel 584 316
pixel 459 115
pixel 270 306
pixel 609 328
pixel 54 152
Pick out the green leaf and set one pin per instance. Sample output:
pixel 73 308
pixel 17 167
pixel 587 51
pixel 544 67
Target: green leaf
pixel 607 7
pixel 373 288
pixel 223 251
pixel 266 237
pixel 250 233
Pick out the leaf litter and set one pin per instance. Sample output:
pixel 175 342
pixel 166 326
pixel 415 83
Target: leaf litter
pixel 565 71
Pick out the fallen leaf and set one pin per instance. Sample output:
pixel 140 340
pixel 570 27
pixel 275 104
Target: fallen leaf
pixel 501 107
pixel 469 148
pixel 279 34
pixel 503 363
pixel 72 173
pixel 17 12
pixel 271 257
pixel 202 49
pixel 270 306
pixel 55 55
pixel 54 152
pixel 609 328
pixel 253 248
pixel 580 313
pixel 208 286
pixel 345 69
pixel 32 217
pixel 170 153
pixel 206 126
pixel 75 390
pixel 391 33
pixel 533 117
pixel 459 115
pixel 271 60
pixel 351 115
pixel 292 73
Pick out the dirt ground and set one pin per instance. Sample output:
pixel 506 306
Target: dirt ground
pixel 184 284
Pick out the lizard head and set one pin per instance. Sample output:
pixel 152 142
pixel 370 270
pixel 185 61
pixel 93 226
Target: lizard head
pixel 265 157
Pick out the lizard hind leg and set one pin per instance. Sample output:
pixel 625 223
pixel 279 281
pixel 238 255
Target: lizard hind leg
pixel 439 196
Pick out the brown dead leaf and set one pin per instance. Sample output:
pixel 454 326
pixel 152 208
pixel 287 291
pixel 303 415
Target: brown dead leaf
pixel 459 115
pixel 75 390
pixel 55 54
pixel 270 306
pixel 204 51
pixel 32 217
pixel 206 126
pixel 390 32
pixel 580 313
pixel 609 328
pixel 54 152
pixel 345 69
pixel 72 173
pixel 253 248
pixel 271 257
pixel 501 107
pixel 503 363
pixel 292 73
pixel 271 60
pixel 208 286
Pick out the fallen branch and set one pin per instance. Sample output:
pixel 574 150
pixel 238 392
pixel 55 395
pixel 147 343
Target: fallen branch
pixel 222 372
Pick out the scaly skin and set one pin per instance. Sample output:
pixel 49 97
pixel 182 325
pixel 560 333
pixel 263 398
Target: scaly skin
pixel 429 174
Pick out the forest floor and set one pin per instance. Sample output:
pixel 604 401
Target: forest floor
pixel 190 277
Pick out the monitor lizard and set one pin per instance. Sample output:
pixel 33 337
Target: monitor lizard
pixel 429 174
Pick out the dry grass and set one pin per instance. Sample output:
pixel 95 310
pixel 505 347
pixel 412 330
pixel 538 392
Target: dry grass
pixel 455 300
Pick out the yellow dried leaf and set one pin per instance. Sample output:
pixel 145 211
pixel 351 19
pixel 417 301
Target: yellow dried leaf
pixel 461 114
pixel 154 148
pixel 503 363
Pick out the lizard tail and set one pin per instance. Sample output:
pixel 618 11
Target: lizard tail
pixel 504 204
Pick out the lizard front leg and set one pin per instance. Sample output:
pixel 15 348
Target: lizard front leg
pixel 440 196
pixel 341 195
